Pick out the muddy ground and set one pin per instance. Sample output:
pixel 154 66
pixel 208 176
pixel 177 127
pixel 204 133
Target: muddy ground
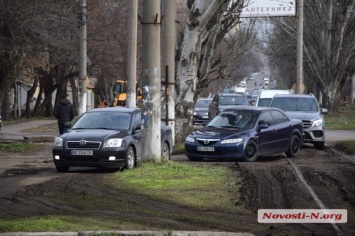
pixel 29 183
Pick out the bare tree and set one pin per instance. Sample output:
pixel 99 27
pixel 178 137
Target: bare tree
pixel 208 23
pixel 329 51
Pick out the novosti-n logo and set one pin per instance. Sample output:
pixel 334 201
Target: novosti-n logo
pixel 302 216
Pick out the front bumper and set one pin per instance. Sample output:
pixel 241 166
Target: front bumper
pixel 314 134
pixel 221 152
pixel 100 158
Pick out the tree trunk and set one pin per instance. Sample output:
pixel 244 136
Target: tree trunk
pixel 187 72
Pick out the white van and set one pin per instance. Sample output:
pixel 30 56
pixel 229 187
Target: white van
pixel 265 96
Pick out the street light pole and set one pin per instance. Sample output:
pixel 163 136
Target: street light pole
pixel 82 58
pixel 300 47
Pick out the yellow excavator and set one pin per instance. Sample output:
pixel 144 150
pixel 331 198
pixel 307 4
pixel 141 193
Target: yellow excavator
pixel 120 93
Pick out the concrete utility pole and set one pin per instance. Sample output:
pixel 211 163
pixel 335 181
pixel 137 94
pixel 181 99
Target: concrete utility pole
pixel 151 113
pixel 300 47
pixel 82 58
pixel 132 54
pixel 168 57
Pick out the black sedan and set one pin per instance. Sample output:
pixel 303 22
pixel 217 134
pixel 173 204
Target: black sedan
pixel 201 110
pixel 105 137
pixel 246 132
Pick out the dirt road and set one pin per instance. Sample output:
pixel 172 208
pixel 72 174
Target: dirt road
pixel 30 186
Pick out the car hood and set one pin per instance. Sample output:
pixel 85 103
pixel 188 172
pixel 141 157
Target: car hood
pixel 303 115
pixel 218 133
pixel 93 134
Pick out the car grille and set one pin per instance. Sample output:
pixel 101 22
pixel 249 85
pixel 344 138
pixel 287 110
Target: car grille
pixel 306 123
pixel 83 144
pixel 207 142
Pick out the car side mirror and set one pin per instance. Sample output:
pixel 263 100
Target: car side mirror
pixel 67 125
pixel 263 125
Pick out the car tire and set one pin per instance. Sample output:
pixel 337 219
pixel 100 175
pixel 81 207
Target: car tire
pixel 295 146
pixel 62 169
pixel 130 159
pixel 319 145
pixel 194 158
pixel 165 151
pixel 251 151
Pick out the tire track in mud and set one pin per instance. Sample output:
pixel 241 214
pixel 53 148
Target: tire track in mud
pixel 277 185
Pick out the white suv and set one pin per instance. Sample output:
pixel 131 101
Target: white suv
pixel 304 107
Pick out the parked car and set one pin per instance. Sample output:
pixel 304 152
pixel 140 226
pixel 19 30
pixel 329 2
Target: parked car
pixel 304 107
pixel 226 100
pixel 105 137
pixel 201 110
pixel 246 132
pixel 265 96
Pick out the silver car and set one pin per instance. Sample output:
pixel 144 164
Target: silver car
pixel 304 107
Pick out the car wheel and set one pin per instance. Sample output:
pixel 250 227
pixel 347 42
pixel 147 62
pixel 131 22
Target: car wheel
pixel 62 169
pixel 319 145
pixel 251 151
pixel 194 158
pixel 295 146
pixel 130 158
pixel 166 151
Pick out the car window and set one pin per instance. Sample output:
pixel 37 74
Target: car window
pixel 137 119
pixel 215 99
pixel 103 120
pixel 279 117
pixel 295 104
pixel 202 103
pixel 267 118
pixel 243 119
pixel 264 102
pixel 234 100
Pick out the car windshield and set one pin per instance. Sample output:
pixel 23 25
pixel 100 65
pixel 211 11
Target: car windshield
pixel 104 120
pixel 295 104
pixel 243 119
pixel 202 103
pixel 234 100
pixel 264 102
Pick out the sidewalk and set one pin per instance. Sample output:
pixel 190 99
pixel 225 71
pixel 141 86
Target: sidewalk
pixel 17 132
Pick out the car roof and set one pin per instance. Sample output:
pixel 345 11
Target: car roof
pixel 252 108
pixel 232 94
pixel 116 109
pixel 295 95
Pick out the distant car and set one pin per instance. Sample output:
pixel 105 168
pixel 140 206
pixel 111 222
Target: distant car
pixel 105 137
pixel 265 96
pixel 245 133
pixel 304 107
pixel 266 80
pixel 201 110
pixel 226 100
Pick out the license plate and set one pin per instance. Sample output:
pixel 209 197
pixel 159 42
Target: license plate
pixel 82 152
pixel 204 117
pixel 205 149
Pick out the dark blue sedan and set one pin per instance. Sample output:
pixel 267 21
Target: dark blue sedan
pixel 245 133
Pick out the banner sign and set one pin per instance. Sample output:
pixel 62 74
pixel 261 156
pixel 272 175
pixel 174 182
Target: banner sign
pixel 268 8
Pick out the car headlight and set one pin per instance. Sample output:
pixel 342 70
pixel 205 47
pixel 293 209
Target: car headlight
pixel 58 142
pixel 189 139
pixel 115 142
pixel 317 123
pixel 195 113
pixel 229 141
